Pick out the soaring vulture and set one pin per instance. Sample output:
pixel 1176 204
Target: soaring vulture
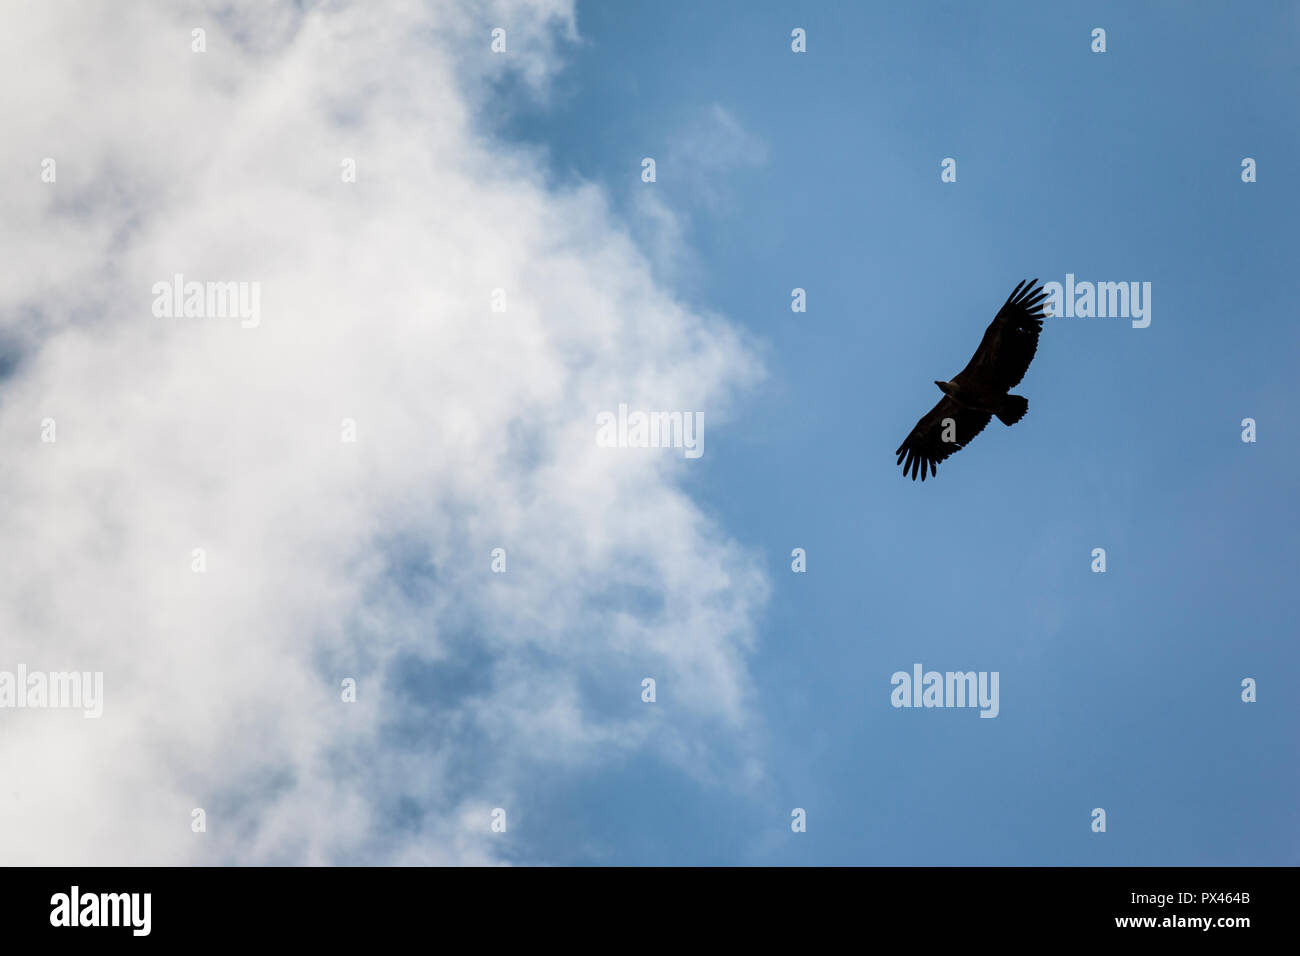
pixel 980 390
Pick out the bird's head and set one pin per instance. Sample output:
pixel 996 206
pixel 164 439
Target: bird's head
pixel 946 387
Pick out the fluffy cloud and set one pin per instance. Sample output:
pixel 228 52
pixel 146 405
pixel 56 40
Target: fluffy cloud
pixel 329 559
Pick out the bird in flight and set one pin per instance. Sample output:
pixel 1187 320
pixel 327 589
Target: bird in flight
pixel 980 390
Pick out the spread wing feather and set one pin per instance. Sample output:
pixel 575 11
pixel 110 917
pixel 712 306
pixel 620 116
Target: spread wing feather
pixel 925 447
pixel 1009 342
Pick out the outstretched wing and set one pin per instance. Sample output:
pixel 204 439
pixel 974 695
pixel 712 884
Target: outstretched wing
pixel 926 446
pixel 1009 342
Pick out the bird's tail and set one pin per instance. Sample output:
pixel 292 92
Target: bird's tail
pixel 1013 409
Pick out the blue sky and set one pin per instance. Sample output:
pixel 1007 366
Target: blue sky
pixel 1118 690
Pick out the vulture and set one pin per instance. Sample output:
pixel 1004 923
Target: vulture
pixel 980 390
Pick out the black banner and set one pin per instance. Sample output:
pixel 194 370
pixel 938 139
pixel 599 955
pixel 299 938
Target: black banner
pixel 1151 906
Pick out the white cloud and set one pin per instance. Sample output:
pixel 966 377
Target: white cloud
pixel 694 174
pixel 709 148
pixel 327 559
